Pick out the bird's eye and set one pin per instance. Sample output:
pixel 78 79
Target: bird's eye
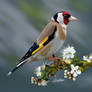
pixel 66 16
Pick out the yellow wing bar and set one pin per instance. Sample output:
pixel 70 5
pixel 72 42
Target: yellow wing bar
pixel 37 50
pixel 40 45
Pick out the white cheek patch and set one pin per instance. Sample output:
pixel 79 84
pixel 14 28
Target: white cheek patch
pixel 60 18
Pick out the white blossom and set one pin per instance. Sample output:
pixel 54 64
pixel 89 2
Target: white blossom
pixel 88 59
pixel 68 52
pixel 65 76
pixel 75 71
pixel 44 83
pixel 38 71
pixel 32 80
pixel 65 71
pixel 74 79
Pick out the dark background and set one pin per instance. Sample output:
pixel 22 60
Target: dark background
pixel 21 21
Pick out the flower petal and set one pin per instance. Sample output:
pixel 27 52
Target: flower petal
pixel 38 73
pixel 68 52
pixel 44 83
pixel 75 74
pixel 72 67
pixel 76 67
pixel 72 72
pixel 78 72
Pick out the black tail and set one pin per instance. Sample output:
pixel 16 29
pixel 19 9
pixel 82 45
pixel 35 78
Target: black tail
pixel 17 67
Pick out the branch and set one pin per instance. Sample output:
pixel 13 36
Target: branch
pixel 68 62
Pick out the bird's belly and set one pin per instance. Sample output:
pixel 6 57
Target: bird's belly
pixel 57 44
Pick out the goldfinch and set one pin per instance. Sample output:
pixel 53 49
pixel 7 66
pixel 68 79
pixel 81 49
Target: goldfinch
pixel 49 41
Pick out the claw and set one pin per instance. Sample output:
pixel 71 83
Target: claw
pixel 54 58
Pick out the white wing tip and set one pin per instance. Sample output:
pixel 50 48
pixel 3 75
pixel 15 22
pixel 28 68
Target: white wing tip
pixel 9 73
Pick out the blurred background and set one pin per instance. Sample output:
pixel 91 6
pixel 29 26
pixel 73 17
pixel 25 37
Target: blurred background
pixel 21 21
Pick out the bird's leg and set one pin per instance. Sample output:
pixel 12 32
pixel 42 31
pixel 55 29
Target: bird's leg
pixel 57 58
pixel 54 58
pixel 55 61
pixel 51 59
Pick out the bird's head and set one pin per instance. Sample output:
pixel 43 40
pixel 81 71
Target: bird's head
pixel 63 17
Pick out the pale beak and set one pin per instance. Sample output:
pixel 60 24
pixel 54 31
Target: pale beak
pixel 73 18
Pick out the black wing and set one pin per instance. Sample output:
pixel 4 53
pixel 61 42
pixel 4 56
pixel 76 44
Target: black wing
pixel 29 53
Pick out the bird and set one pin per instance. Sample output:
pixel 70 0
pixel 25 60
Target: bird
pixel 50 40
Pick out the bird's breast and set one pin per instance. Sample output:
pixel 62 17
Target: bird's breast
pixel 57 44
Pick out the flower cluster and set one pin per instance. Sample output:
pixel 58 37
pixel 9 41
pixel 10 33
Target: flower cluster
pixel 69 62
pixel 88 58
pixel 39 82
pixel 73 73
pixel 39 74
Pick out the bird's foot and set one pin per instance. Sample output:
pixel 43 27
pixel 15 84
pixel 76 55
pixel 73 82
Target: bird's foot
pixel 52 59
